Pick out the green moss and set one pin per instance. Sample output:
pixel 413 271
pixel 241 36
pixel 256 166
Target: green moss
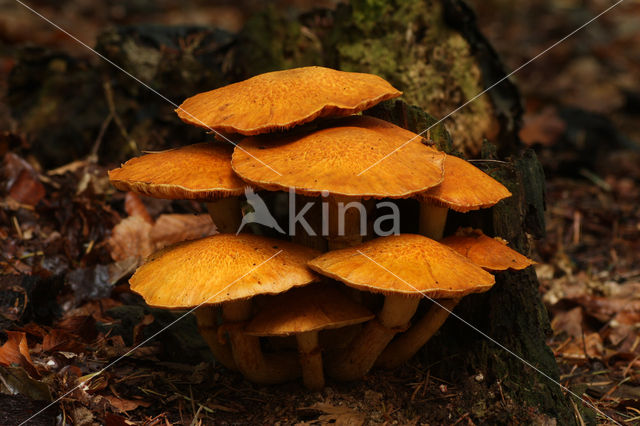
pixel 407 43
pixel 269 42
pixel 413 118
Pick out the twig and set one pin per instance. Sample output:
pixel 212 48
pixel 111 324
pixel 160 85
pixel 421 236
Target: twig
pixel 112 109
pixel 628 367
pixel 597 180
pixel 501 393
pixel 577 412
pixel 195 420
pixel 487 161
pixel 16 225
pixel 93 156
pixel 464 416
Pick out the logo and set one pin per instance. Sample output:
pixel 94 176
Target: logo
pixel 259 213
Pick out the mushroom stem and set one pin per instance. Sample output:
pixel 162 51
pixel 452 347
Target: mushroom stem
pixel 315 222
pixel 432 220
pixel 247 353
pixel 310 360
pixel 350 217
pixel 207 319
pixel 409 343
pixel 226 214
pixel 354 362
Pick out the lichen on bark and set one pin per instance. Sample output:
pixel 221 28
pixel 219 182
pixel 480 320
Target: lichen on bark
pixel 408 43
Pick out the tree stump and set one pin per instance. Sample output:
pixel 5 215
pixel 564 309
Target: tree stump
pixel 430 49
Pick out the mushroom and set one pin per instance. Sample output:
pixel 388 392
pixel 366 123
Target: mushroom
pixel 195 172
pixel 282 99
pixel 333 161
pixel 404 268
pixel 229 270
pixel 304 312
pixel 491 254
pixel 464 188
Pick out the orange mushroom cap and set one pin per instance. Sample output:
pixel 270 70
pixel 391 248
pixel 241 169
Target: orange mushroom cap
pixel 221 268
pixel 311 308
pixel 331 159
pixel 406 264
pixel 282 99
pixel 489 253
pixel 195 172
pixel 465 187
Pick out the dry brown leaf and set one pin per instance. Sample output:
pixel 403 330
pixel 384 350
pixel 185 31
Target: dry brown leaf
pixel 82 326
pixel 60 340
pixel 173 228
pixel 22 181
pixel 111 419
pixel 579 349
pixel 570 322
pixel 96 309
pixel 33 329
pixel 130 238
pixel 544 127
pixel 16 351
pixel 124 405
pixel 27 189
pixel 134 237
pixel 337 415
pixel 624 325
pixel 134 206
pixel 604 308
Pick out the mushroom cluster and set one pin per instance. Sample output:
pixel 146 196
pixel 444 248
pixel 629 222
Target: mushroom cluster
pixel 334 300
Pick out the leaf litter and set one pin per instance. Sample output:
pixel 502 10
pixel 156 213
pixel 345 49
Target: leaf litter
pixel 68 243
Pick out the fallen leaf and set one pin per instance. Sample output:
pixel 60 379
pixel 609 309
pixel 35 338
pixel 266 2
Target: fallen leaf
pixel 570 322
pixel 95 383
pixel 124 405
pixel 135 238
pixel 173 228
pixel 579 349
pixel 72 167
pixel 96 309
pixel 16 351
pixel 59 340
pixel 624 325
pixel 82 326
pixel 130 238
pixel 111 419
pixel 27 189
pixel 15 380
pixel 22 181
pixel 604 308
pixel 542 128
pixel 337 415
pixel 121 269
pixel 134 206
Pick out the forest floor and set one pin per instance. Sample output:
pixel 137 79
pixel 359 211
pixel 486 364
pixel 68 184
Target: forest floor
pixel 64 253
pixel 581 116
